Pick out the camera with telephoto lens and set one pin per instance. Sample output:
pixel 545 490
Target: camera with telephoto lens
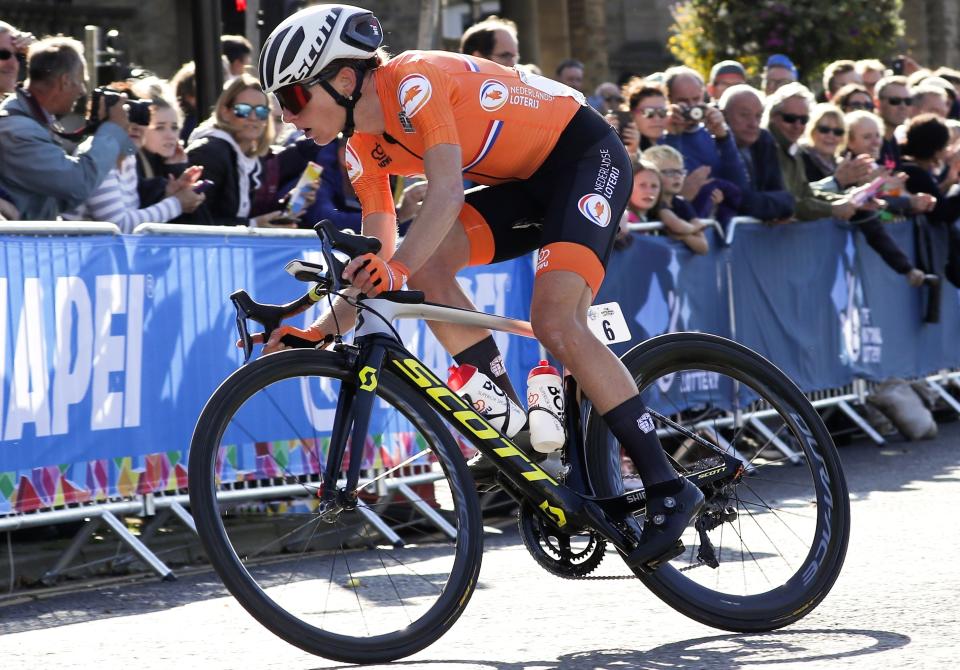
pixel 138 111
pixel 695 113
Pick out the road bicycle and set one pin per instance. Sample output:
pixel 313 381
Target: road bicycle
pixel 376 557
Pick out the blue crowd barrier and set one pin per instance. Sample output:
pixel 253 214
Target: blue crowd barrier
pixel 113 343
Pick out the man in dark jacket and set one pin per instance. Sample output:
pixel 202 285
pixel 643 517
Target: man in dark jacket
pixel 765 196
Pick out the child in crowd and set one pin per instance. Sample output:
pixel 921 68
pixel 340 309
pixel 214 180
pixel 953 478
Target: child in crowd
pixel 644 199
pixel 678 216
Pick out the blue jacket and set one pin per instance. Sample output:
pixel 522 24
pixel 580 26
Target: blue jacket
pixel 700 148
pixel 765 197
pixel 41 178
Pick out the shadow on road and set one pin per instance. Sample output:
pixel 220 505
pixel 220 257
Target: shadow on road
pixel 719 651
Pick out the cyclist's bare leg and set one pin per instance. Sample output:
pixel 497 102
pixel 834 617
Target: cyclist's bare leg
pixel 558 314
pixel 438 281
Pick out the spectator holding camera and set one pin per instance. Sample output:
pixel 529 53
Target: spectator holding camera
pixel 40 177
pixel 229 146
pixel 700 133
pixel 117 198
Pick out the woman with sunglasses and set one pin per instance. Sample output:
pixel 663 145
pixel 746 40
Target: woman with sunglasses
pixel 544 158
pixel 821 141
pixel 229 146
pixel 647 102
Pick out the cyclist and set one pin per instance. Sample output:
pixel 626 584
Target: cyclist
pixel 556 178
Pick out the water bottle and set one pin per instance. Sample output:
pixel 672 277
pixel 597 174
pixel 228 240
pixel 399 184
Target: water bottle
pixel 545 400
pixel 487 399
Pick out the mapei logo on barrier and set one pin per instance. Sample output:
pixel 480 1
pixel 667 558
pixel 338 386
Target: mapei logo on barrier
pixel 493 95
pixel 89 355
pixel 413 93
pixel 596 208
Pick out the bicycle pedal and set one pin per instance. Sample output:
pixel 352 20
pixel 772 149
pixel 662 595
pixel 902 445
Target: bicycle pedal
pixel 654 563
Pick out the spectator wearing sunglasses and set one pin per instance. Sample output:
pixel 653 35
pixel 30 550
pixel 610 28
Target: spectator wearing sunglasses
pixel 494 39
pixel 852 97
pixel 786 115
pixel 894 105
pixel 647 101
pixel 13 50
pixel 821 142
pixel 228 146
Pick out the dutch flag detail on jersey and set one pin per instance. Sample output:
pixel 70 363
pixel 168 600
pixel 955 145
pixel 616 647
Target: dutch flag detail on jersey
pixel 489 137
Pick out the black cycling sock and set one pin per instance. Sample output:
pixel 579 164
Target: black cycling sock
pixel 485 357
pixel 634 428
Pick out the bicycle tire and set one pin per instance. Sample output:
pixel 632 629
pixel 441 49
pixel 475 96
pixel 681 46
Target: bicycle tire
pixel 205 447
pixel 812 580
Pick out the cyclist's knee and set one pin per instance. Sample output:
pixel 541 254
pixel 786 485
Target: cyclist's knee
pixel 560 332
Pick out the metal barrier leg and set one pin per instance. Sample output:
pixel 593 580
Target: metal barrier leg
pixel 426 510
pixel 137 546
pixel 944 395
pixel 382 526
pixel 79 541
pixel 861 422
pixel 761 428
pixel 184 516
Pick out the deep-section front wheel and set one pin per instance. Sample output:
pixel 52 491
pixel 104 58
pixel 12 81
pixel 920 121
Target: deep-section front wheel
pixel 366 582
pixel 770 542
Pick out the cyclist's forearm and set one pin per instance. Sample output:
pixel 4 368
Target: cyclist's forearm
pixel 346 317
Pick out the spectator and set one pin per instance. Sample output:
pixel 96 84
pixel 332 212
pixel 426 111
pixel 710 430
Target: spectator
pixel 871 71
pixel 837 75
pixel 701 135
pixel 779 71
pixel 819 147
pixel 678 216
pixel 927 143
pixel 161 158
pixel 785 116
pixel 570 72
pixel 8 212
pixel 606 98
pixel 648 104
pixel 228 146
pixel 952 76
pixel 723 75
pixel 238 51
pixel 894 105
pixel 184 85
pixel 948 88
pixel 41 179
pixel 13 47
pixel 851 97
pixel 494 39
pixel 930 99
pixel 117 199
pixel 764 197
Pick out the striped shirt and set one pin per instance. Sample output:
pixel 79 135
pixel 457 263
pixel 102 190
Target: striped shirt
pixel 116 200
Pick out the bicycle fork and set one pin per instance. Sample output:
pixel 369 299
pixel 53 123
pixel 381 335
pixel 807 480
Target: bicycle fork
pixel 354 408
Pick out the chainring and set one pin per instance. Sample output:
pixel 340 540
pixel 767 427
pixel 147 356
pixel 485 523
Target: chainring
pixel 567 556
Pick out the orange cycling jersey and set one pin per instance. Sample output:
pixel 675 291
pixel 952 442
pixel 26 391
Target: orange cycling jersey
pixel 505 122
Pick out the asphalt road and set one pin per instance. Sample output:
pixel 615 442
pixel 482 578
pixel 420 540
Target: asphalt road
pixel 896 604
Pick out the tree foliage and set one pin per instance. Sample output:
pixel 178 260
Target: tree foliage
pixel 811 32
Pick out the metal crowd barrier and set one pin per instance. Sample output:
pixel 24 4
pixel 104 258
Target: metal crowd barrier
pixel 161 507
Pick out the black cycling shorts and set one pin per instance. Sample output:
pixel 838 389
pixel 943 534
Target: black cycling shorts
pixel 570 208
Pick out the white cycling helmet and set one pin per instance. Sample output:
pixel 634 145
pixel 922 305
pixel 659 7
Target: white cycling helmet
pixel 306 42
